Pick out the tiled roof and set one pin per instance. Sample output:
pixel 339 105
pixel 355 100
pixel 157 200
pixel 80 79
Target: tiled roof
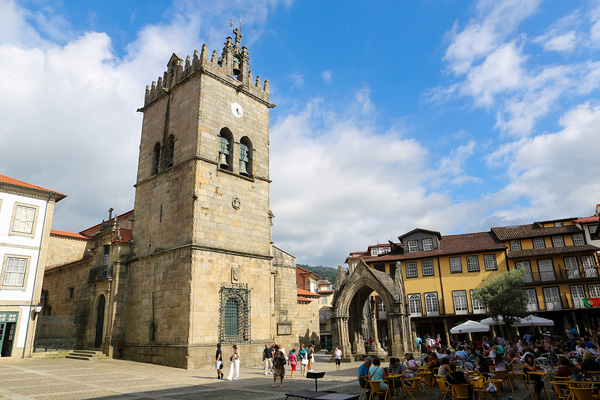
pixel 73 235
pixel 325 291
pixel 17 183
pixel 126 235
pixel 451 244
pixel 436 233
pixel 588 220
pixel 532 231
pixel 304 299
pixel 305 271
pixel 302 292
pixel 548 251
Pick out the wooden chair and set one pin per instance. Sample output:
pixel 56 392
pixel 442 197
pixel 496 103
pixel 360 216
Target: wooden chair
pixel 583 393
pixel 444 387
pixel 561 389
pixel 503 376
pixel 377 390
pixel 411 386
pixel 460 391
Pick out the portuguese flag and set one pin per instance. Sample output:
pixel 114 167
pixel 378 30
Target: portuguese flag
pixel 591 302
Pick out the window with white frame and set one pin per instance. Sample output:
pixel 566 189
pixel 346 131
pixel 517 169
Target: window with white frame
pixel 589 266
pixel 106 258
pixel 577 294
pixel 415 307
pixel 525 267
pixel 531 303
pixel 427 244
pixel 24 218
pixel 592 229
pixel 413 246
pixel 515 244
pixel 15 271
pixel 546 269
pixel 381 307
pixel 478 307
pixel 455 264
pixel 572 267
pixel 460 301
pixel 594 290
pixel 432 305
pixel 539 243
pixel 558 241
pixel 558 224
pixel 427 267
pixel 472 263
pixel 374 252
pixel 411 269
pixel 552 298
pixel 490 262
pixel 578 239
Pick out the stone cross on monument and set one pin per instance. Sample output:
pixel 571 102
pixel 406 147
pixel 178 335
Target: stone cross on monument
pixel 238 37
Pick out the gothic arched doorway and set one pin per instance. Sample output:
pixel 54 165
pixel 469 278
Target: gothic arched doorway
pixel 99 320
pixel 348 311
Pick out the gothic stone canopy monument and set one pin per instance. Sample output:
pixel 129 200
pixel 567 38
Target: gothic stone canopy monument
pixel 201 269
pixel 353 296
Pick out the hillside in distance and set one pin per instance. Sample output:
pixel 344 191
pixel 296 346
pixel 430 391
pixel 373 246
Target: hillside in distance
pixel 327 273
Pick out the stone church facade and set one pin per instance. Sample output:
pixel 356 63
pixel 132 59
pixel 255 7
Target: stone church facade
pixel 194 264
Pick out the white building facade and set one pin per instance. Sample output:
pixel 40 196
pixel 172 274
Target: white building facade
pixel 25 218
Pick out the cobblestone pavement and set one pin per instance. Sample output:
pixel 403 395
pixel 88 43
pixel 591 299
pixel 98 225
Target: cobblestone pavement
pixel 65 379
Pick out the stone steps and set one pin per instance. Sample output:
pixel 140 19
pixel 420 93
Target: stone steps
pixel 87 355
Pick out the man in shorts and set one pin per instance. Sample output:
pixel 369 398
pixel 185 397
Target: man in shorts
pixel 338 359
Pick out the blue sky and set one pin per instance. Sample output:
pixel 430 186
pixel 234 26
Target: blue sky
pixel 454 116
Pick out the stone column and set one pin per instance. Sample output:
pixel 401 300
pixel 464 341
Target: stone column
pixel 447 331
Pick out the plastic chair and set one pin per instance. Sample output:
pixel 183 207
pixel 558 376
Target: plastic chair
pixel 498 384
pixel 377 390
pixel 362 389
pixel 561 389
pixel 479 388
pixel 425 380
pixel 460 391
pixel 583 393
pixel 444 387
pixel 503 376
pixel 411 387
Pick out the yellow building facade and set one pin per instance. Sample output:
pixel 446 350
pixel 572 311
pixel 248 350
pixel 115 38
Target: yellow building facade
pixel 440 273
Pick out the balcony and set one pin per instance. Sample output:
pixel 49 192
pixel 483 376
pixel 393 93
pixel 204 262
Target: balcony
pixel 100 273
pixel 559 275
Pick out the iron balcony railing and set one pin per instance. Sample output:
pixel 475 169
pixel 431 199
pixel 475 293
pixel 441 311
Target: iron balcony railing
pixel 559 275
pixel 100 273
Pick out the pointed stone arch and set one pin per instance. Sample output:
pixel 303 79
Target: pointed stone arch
pixel 347 311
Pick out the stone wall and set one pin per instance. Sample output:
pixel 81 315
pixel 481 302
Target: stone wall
pixel 308 323
pixel 63 250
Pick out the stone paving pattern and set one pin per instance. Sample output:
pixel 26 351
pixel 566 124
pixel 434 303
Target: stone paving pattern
pixel 65 379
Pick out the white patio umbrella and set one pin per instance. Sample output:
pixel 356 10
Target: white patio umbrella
pixel 469 326
pixel 493 321
pixel 532 320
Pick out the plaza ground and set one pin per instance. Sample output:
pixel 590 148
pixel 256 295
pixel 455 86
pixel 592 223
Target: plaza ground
pixel 66 379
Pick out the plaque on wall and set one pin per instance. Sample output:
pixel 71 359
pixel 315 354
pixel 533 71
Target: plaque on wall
pixel 283 315
pixel 235 274
pixel 284 328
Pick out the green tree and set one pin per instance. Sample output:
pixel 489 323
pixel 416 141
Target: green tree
pixel 503 296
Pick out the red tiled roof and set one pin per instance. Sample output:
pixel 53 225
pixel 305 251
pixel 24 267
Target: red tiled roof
pixel 532 231
pixel 302 292
pixel 72 235
pixel 15 182
pixel 304 299
pixel 305 271
pixel 325 291
pixel 451 244
pixel 587 220
pixel 126 235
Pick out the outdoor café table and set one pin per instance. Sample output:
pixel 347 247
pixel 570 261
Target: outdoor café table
pixel 544 375
pixel 306 394
pixel 392 381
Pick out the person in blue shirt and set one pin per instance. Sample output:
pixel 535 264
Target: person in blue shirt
pixel 363 372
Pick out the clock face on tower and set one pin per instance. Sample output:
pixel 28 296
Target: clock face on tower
pixel 237 110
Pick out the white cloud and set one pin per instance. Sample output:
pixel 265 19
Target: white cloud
pixel 451 166
pixel 327 76
pixel 297 79
pixel 566 42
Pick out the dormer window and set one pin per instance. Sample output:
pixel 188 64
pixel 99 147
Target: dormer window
pixel 427 244
pixel 413 246
pixel 373 252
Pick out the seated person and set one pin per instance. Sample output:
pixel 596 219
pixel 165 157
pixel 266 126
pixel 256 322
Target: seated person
pixel 589 363
pixel 529 365
pixel 376 374
pixel 482 365
pixel 363 372
pixel 461 354
pixel 458 377
pixel 411 363
pixel 444 368
pixel 396 368
pixel 565 367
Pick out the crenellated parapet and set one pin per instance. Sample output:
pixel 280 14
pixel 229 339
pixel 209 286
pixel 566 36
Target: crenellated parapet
pixel 231 68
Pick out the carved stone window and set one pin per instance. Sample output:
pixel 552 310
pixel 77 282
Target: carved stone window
pixel 234 313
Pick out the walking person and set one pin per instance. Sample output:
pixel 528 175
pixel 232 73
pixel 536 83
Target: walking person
pixel 219 362
pixel 293 361
pixel 234 368
pixel 268 359
pixel 278 367
pixel 309 355
pixel 338 359
pixel 303 360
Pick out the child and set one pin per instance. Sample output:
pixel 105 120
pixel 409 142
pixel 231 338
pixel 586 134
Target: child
pixel 293 361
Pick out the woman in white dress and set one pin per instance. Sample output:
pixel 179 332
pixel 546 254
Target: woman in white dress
pixel 234 368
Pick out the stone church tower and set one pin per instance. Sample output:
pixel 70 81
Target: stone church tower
pixel 203 269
